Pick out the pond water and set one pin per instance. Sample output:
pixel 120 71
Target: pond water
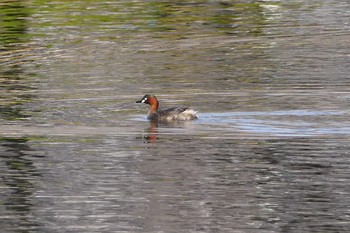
pixel 269 152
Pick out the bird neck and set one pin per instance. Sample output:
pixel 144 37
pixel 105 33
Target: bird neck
pixel 153 106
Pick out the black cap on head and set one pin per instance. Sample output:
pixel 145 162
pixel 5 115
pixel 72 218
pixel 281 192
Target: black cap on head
pixel 144 99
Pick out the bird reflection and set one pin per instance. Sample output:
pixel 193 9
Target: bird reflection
pixel 151 133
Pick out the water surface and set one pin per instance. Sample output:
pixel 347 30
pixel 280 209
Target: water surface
pixel 269 152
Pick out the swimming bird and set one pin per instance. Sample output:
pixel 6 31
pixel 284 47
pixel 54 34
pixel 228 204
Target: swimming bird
pixel 169 114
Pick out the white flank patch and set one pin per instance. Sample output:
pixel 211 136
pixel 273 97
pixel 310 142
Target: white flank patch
pixel 188 114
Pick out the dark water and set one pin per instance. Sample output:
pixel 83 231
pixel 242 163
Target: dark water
pixel 269 152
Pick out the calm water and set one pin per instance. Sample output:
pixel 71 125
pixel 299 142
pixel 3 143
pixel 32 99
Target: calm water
pixel 269 153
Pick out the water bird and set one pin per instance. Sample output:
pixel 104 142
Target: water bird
pixel 168 114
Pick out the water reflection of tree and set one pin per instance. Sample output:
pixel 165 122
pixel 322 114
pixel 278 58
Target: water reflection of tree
pixel 17 183
pixel 13 23
pixel 13 39
pixel 18 171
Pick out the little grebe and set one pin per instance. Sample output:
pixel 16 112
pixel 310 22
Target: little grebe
pixel 169 114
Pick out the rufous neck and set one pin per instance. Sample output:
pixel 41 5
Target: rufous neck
pixel 153 102
pixel 153 107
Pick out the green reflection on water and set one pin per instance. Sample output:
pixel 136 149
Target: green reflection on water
pixel 14 37
pixel 13 25
pixel 184 17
